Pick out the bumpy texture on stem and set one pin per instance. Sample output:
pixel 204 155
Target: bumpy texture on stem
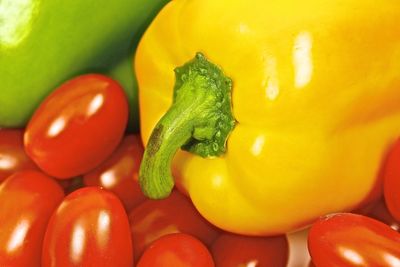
pixel 199 121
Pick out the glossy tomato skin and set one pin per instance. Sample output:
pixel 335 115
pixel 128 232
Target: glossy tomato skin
pixel 176 214
pixel 12 153
pixel 90 228
pixel 348 240
pixel 27 200
pixel 178 250
pixel 119 173
pixel 77 126
pixel 232 250
pixel 391 186
pixel 380 212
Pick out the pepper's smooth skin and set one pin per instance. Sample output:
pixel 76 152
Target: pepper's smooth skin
pixel 122 72
pixel 315 98
pixel 45 42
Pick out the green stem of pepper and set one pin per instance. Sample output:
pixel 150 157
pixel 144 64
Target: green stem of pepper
pixel 199 121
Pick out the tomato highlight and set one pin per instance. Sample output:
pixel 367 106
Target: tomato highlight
pixel 27 201
pixel 350 240
pixel 77 126
pixel 89 228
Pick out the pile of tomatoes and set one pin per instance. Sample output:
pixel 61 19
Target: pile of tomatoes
pixel 69 196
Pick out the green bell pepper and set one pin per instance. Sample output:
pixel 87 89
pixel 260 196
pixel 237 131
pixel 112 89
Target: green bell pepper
pixel 124 74
pixel 45 42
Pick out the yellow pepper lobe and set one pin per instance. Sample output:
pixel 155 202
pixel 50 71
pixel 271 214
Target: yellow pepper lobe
pixel 316 93
pixel 199 121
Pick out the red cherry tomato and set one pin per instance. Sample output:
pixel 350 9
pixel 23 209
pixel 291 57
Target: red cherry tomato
pixel 77 126
pixel 119 173
pixel 12 154
pixel 380 212
pixel 155 218
pixel 391 187
pixel 89 228
pixel 27 200
pixel 231 250
pixel 177 250
pixel 348 240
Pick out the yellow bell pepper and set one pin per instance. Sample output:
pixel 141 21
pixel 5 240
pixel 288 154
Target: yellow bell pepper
pixel 314 90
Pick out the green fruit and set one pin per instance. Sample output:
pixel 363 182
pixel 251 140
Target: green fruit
pixel 46 42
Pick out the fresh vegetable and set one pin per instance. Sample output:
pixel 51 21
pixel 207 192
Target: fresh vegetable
pixel 45 42
pixel 89 228
pixel 380 212
pixel 119 173
pixel 230 250
pixel 392 181
pixel 12 154
pixel 313 87
pixel 154 219
pixel 27 200
pixel 179 250
pixel 347 240
pixel 122 72
pixel 77 126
